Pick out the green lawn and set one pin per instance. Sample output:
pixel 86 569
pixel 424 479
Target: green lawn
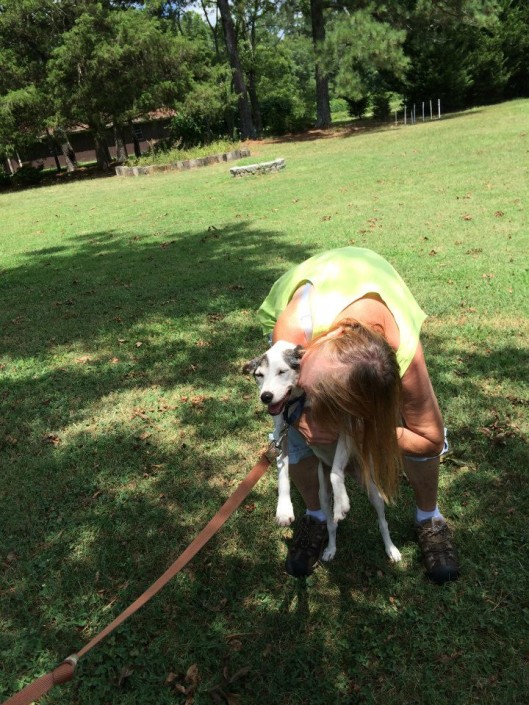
pixel 127 313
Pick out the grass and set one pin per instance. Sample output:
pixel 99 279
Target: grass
pixel 178 155
pixel 127 312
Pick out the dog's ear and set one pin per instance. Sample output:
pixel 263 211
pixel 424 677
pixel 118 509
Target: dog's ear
pixel 293 357
pixel 250 367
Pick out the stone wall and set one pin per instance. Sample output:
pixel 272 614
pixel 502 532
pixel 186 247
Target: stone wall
pixel 262 168
pixel 185 164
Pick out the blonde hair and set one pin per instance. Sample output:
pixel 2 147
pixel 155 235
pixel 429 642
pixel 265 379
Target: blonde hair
pixel 360 396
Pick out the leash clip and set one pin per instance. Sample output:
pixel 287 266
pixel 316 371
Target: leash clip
pixel 274 447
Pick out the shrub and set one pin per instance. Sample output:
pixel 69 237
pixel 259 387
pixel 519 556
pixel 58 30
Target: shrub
pixel 338 105
pixel 5 181
pixel 282 113
pixel 27 176
pixel 358 107
pixel 381 106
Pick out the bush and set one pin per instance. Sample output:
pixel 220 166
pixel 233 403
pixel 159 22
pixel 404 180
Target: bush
pixel 177 155
pixel 188 130
pixel 357 108
pixel 206 115
pixel 381 106
pixel 282 113
pixel 5 181
pixel 338 105
pixel 27 176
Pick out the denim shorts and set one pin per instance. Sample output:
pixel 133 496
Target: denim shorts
pixel 298 448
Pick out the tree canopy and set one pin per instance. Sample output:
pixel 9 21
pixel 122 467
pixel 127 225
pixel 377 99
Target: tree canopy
pixel 247 67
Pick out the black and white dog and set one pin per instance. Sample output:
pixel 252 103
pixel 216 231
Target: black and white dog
pixel 276 374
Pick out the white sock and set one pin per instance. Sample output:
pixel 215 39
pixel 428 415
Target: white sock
pixel 423 516
pixel 318 514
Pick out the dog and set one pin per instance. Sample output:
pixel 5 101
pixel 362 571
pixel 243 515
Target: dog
pixel 276 374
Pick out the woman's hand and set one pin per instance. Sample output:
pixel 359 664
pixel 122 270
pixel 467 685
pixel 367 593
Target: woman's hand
pixel 313 434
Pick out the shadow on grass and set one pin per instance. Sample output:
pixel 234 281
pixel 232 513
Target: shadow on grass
pixel 353 127
pixel 89 521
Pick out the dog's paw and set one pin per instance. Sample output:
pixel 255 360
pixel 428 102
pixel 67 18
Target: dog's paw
pixel 341 509
pixel 328 554
pixel 285 514
pixel 394 554
pixel 341 506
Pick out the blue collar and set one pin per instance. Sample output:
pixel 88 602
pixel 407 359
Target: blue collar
pixel 299 404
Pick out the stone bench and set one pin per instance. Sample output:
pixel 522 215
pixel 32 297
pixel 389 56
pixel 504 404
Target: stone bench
pixel 185 164
pixel 262 168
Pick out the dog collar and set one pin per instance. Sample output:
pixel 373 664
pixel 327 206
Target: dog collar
pixel 293 409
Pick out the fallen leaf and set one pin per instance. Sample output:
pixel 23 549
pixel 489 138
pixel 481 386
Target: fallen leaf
pixel 240 674
pixel 192 675
pixel 83 360
pixel 125 673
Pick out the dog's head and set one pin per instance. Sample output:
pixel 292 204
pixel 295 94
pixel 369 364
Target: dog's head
pixel 277 373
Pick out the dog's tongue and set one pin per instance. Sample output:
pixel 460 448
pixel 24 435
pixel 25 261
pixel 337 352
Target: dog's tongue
pixel 275 409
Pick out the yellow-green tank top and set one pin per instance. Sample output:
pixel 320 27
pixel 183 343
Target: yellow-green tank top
pixel 340 277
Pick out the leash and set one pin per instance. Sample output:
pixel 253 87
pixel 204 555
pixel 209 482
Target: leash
pixel 64 672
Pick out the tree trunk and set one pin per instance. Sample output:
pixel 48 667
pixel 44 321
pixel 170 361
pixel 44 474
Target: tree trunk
pixel 323 108
pixel 254 102
pixel 54 150
pixel 66 149
pixel 213 27
pixel 121 147
pixel 135 139
pixel 252 91
pixel 102 152
pixel 245 112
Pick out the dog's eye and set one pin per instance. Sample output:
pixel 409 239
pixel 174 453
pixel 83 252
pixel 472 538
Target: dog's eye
pixel 282 372
pixel 258 374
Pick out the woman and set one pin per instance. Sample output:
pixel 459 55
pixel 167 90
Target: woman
pixel 364 373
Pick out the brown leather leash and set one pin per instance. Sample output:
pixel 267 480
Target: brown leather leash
pixel 64 672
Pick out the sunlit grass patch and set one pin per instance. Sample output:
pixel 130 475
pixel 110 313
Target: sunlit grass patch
pixel 128 312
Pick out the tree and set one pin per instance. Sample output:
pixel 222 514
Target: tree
pixel 514 35
pixel 29 30
pixel 114 65
pixel 239 83
pixel 323 109
pixel 455 53
pixel 364 54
